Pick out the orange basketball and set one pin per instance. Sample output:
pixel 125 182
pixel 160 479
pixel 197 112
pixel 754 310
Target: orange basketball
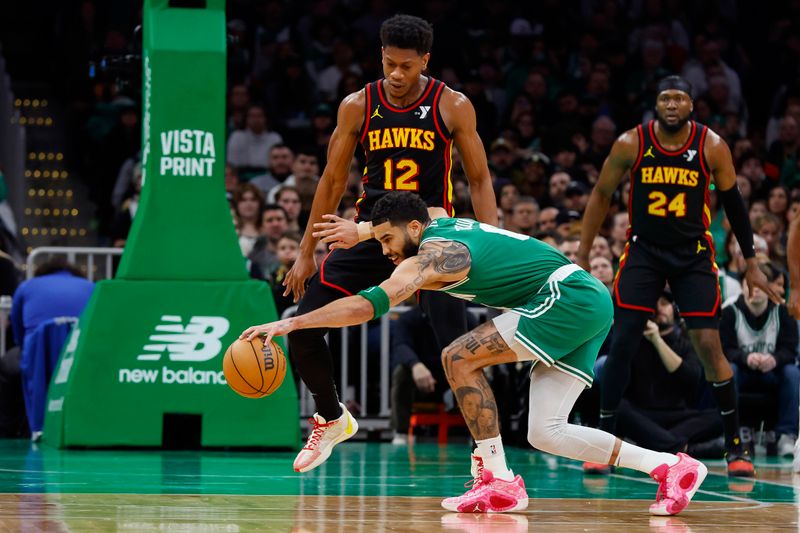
pixel 253 369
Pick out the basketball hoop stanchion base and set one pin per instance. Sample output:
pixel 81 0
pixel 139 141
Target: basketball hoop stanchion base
pixel 120 373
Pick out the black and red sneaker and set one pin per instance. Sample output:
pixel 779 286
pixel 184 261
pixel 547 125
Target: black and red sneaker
pixel 740 460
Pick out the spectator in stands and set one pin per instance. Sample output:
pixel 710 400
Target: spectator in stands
pixel 508 197
pixel 288 198
pixel 601 269
pixel 238 104
pixel 778 202
pixel 758 209
pixel 249 148
pixel 706 63
pixel 304 173
pixel 534 175
pixel 281 159
pixel 600 248
pixel 567 223
pixel 328 80
pixel 524 216
pixel 751 167
pixel 274 224
pixel 760 340
pixel 502 159
pixel 576 196
pixel 569 246
pixel 547 219
pixel 416 368
pixel 602 137
pixel 57 289
pixel 557 188
pixel 770 228
pixel 656 410
pixel 286 253
pixel 784 151
pixel 249 206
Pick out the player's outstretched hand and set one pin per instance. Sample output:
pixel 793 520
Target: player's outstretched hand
pixel 756 278
pixel 337 231
pixel 269 330
pixel 295 280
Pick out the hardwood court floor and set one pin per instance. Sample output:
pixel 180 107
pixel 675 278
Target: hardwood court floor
pixel 363 488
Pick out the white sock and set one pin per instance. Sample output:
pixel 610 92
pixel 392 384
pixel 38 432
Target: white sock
pixel 643 460
pixel 494 458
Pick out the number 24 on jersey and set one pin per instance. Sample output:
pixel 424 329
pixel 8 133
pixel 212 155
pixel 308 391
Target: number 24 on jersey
pixel 658 200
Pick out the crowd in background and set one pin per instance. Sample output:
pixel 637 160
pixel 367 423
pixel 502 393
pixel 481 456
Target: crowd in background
pixel 553 84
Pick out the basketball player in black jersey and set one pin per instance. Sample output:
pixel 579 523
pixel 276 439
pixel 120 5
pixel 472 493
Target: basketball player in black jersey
pixel 407 124
pixel 672 161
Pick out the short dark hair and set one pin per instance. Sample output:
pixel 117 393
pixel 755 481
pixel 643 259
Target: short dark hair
pixel 274 207
pixel 407 32
pixel 400 208
pixel 57 264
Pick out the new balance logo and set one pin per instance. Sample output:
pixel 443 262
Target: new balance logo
pixel 689 155
pixel 199 340
pixel 423 111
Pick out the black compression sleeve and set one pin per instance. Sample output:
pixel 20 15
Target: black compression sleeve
pixel 732 201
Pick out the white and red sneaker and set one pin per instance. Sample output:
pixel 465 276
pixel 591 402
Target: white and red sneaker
pixel 323 437
pixel 677 485
pixel 490 495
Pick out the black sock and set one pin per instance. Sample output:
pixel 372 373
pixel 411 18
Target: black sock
pixel 328 405
pixel 608 421
pixel 725 395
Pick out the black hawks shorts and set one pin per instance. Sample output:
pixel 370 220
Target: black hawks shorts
pixel 690 270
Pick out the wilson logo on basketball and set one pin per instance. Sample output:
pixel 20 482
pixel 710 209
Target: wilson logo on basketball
pixel 269 361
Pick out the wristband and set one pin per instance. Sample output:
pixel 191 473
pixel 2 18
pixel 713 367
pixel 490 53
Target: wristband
pixel 364 231
pixel 379 300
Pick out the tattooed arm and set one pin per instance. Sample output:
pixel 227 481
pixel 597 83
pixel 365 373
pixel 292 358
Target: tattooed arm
pixel 437 263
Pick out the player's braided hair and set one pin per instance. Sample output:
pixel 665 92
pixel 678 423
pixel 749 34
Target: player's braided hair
pixel 400 208
pixel 407 32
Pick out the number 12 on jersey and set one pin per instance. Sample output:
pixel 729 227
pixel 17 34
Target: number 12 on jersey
pixel 406 180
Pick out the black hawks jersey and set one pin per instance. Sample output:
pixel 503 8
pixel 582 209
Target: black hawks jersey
pixel 407 149
pixel 668 201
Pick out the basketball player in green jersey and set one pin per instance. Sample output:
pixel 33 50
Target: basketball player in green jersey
pixel 556 315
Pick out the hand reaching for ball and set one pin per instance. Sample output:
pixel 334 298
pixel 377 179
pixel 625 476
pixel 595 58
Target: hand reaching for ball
pixel 269 330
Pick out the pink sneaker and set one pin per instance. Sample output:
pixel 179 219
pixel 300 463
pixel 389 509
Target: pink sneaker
pixel 490 495
pixel 323 437
pixel 677 485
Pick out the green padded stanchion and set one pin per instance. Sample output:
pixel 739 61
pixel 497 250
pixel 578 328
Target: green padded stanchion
pixel 151 341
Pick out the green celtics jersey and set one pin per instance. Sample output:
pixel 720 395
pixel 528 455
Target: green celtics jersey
pixel 507 268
